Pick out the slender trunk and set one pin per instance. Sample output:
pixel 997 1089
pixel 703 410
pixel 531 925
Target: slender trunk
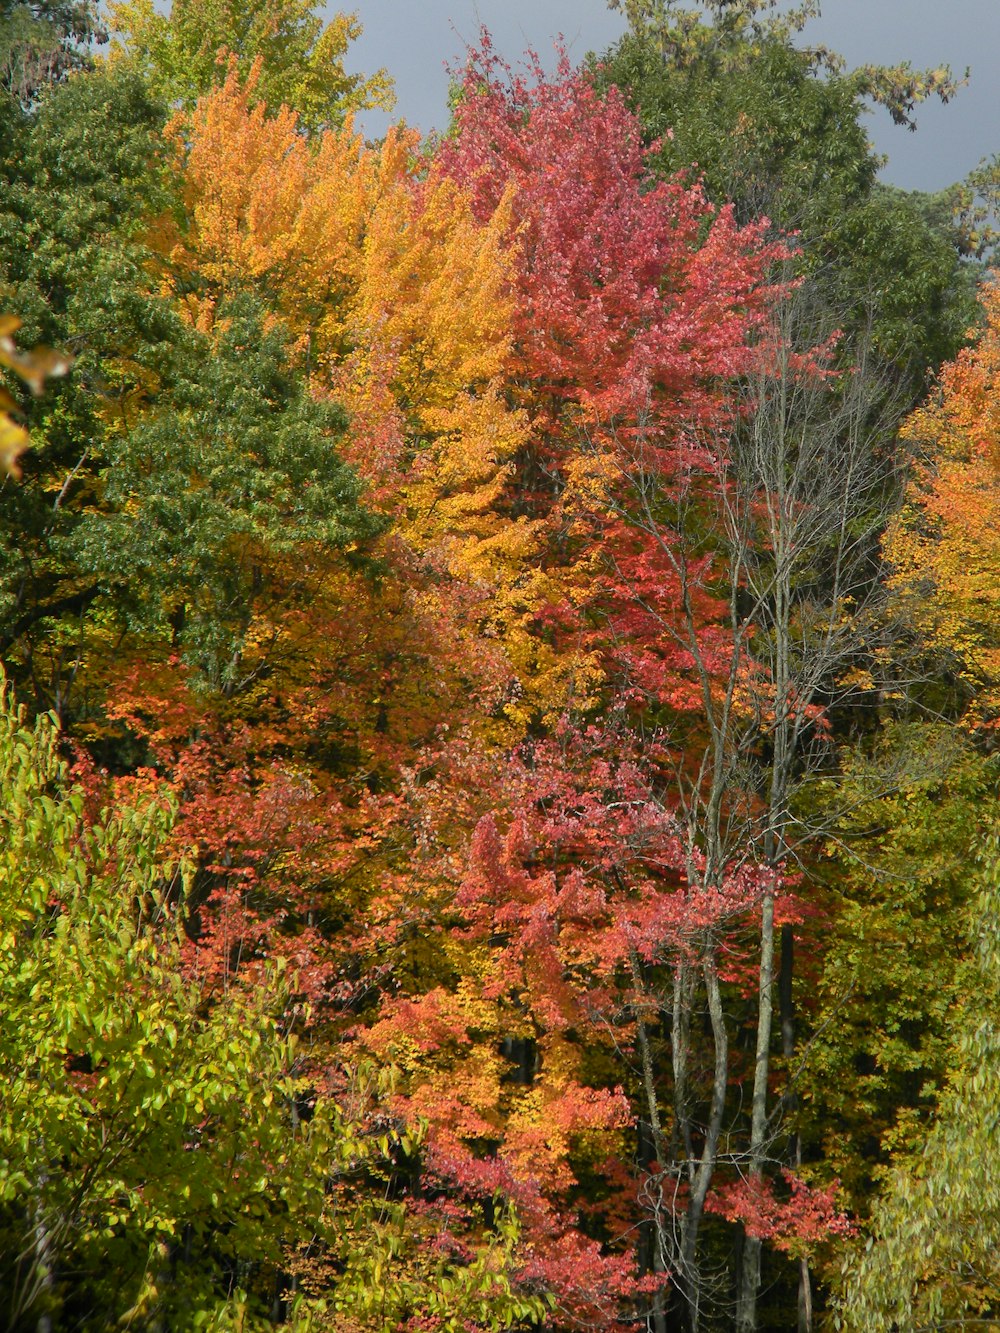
pixel 658 1315
pixel 701 1176
pixel 787 1011
pixel 43 1282
pixel 749 1278
pixel 680 1029
pixel 805 1297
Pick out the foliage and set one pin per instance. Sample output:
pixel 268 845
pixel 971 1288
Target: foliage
pixel 944 545
pixel 34 368
pixel 182 54
pixel 458 572
pixel 896 904
pixel 76 176
pixel 234 465
pixel 683 36
pixel 143 1119
pixel 42 41
pixel 931 1254
pixel 160 1138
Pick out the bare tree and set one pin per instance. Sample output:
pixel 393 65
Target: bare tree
pixel 791 502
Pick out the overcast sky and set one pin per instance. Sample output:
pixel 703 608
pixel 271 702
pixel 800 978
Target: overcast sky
pixel 414 39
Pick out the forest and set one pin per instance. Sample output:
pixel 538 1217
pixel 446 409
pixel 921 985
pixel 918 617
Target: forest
pixel 501 686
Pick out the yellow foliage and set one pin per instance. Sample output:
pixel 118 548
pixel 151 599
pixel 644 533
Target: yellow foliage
pixel 34 368
pixel 399 303
pixel 945 546
pixel 182 54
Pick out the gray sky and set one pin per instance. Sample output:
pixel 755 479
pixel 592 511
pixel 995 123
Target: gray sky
pixel 414 38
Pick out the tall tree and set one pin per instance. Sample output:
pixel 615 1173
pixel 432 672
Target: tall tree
pixel 778 128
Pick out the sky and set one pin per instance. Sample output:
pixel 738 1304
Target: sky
pixel 414 39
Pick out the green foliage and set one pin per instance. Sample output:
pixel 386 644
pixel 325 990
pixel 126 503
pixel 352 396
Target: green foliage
pixel 142 1121
pixel 75 177
pixel 973 204
pixel 229 470
pixel 182 54
pixel 896 964
pixel 740 27
pixel 931 1257
pixel 760 127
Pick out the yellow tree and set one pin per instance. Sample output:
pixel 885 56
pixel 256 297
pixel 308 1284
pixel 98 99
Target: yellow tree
pixel 182 53
pixel 398 301
pixel 945 545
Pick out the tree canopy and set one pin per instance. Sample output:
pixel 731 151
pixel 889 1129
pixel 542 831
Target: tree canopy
pixel 497 725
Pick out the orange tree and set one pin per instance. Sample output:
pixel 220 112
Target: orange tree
pixel 945 547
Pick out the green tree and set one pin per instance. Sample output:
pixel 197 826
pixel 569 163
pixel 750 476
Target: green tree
pixel 145 1122
pixel 75 177
pixel 41 41
pixel 183 54
pixel 897 963
pixel 778 130
pixel 212 489
pixel 930 1260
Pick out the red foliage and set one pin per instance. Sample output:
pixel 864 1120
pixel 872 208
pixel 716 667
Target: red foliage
pixel 804 1219
pixel 636 305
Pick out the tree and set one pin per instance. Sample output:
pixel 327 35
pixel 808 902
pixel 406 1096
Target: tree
pixel 167 1151
pixel 182 54
pixel 42 41
pixel 895 898
pixel 626 445
pixel 140 1117
pixel 931 1255
pixel 944 544
pixel 229 471
pixel 74 172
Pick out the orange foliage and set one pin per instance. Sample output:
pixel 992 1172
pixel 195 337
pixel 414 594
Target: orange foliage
pixel 399 302
pixel 945 546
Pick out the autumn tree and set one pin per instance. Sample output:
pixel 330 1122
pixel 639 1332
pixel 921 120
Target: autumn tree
pixel 698 598
pixel 943 546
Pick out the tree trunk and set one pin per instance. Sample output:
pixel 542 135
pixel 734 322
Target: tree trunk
pixel 43 1283
pixel 749 1277
pixel 690 1275
pixel 658 1317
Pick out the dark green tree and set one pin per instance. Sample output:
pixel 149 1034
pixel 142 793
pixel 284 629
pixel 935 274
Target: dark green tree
pixel 777 128
pixel 171 470
pixel 41 41
pixel 211 490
